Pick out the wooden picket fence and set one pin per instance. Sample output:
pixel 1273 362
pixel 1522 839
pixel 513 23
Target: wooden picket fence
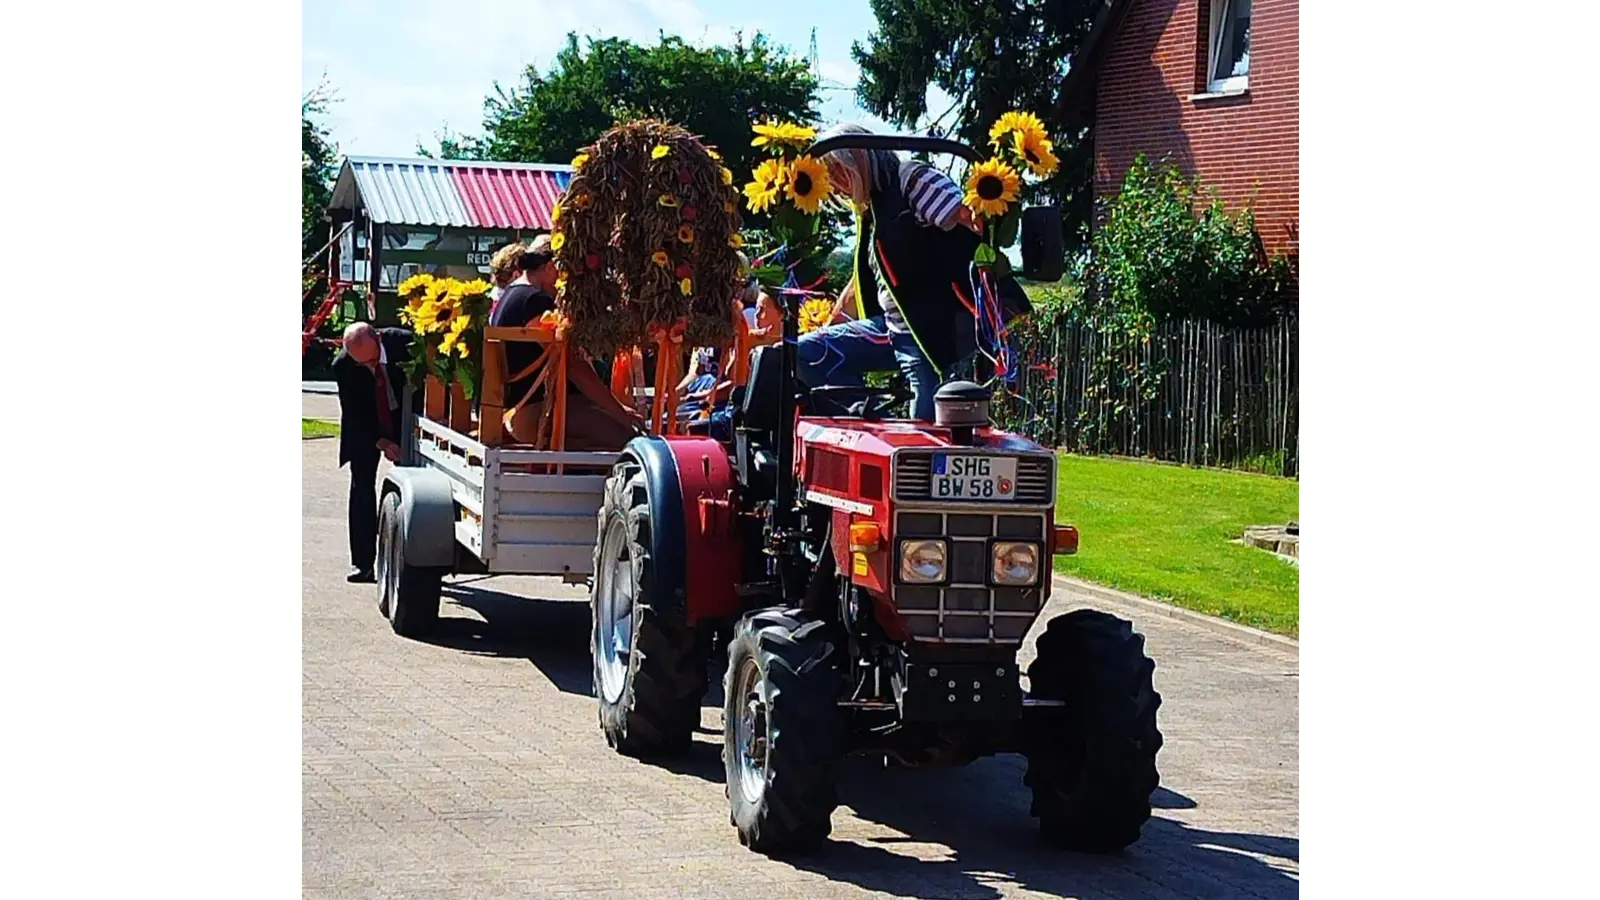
pixel 1193 392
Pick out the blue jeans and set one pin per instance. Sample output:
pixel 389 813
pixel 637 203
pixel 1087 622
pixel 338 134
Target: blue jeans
pixel 843 354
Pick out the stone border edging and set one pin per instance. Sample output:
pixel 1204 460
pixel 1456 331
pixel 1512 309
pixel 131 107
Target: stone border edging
pixel 1223 627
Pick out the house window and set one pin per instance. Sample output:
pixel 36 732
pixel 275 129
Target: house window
pixel 1228 60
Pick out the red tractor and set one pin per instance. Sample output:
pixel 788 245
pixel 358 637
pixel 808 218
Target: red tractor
pixel 872 580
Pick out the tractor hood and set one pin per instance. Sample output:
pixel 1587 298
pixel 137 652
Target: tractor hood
pixel 882 438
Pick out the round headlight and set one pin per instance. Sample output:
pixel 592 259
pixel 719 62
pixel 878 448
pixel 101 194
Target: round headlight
pixel 922 562
pixel 1015 563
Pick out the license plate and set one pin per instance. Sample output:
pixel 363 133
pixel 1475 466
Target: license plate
pixel 967 477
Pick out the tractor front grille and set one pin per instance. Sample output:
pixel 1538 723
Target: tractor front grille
pixel 967 609
pixel 913 478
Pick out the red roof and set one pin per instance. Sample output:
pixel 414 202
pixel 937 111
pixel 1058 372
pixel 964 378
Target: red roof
pixel 501 197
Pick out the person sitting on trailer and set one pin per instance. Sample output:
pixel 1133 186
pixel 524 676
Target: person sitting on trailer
pixel 505 268
pixel 697 387
pixel 596 420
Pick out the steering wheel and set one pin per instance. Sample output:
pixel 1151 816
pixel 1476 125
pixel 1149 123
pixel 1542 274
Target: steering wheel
pixel 876 401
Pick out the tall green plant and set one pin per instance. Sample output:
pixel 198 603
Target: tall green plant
pixel 1168 248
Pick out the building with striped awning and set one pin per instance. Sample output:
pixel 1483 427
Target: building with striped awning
pixel 441 216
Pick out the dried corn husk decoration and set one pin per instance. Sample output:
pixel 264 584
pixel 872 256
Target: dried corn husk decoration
pixel 643 240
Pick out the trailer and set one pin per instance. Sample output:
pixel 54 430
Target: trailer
pixel 464 500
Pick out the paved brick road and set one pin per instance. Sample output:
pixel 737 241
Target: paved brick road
pixel 473 767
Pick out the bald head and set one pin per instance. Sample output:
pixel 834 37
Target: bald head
pixel 361 342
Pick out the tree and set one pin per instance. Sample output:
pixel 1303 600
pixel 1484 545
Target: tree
pixel 317 169
pixel 715 92
pixel 991 57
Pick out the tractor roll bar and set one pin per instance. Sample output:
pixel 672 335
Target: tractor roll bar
pixel 915 143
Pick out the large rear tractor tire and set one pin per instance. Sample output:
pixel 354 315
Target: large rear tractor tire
pixel 1092 763
pixel 783 737
pixel 649 665
pixel 408 596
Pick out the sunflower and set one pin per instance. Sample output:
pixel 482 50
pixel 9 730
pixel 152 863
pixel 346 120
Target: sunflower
pixel 453 341
pixel 415 286
pixel 726 173
pixel 712 152
pixel 558 240
pixel 561 282
pixel 815 313
pixel 736 240
pixel 555 215
pixel 765 185
pixel 477 287
pixel 991 187
pixel 667 200
pixel 659 150
pixel 686 234
pixel 807 184
pixel 432 317
pixel 1025 122
pixel 1034 149
pixel 661 259
pixel 686 286
pixel 783 134
pixel 579 160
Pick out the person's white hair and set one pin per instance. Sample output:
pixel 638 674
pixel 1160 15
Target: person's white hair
pixel 855 164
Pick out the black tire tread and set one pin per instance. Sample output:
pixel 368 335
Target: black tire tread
pixel 800 662
pixel 414 609
pixel 660 704
pixel 1092 767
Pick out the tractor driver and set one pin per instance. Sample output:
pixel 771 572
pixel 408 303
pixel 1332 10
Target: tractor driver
pixel 908 303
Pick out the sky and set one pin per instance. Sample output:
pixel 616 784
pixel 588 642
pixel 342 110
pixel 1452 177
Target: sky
pixel 403 71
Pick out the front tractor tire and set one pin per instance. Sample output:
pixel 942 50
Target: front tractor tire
pixel 649 664
pixel 783 738
pixel 408 595
pixel 1092 762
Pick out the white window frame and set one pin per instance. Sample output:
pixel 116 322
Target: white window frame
pixel 1219 17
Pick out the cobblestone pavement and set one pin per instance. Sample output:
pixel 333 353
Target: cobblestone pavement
pixel 472 766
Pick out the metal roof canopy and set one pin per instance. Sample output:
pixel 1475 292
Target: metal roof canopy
pixel 450 192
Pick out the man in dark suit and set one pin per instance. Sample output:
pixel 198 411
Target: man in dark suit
pixel 371 383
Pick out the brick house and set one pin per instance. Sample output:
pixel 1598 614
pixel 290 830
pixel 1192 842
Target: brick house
pixel 1212 84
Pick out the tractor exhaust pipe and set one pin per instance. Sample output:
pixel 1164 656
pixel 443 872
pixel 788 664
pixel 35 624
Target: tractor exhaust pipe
pixel 962 407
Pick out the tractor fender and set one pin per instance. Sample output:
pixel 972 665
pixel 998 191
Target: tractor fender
pixel 690 483
pixel 427 515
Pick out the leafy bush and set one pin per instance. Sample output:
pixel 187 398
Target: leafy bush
pixel 1168 249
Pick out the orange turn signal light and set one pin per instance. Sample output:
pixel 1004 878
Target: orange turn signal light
pixel 865 537
pixel 1064 540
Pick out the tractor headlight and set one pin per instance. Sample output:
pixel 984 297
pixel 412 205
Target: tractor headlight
pixel 922 562
pixel 1016 563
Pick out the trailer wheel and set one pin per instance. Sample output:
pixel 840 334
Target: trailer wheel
pixel 783 737
pixel 649 664
pixel 407 595
pixel 1092 762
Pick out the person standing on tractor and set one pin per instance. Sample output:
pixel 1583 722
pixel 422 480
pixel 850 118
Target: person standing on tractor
pixel 908 305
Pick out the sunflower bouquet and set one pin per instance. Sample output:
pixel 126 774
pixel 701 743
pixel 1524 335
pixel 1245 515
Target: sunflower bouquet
pixel 646 237
pixel 994 186
pixel 790 187
pixel 447 317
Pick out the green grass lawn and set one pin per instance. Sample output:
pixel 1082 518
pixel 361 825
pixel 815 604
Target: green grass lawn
pixel 1164 532
pixel 314 428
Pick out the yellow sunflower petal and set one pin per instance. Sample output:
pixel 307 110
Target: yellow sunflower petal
pixel 807 184
pixel 659 150
pixel 558 240
pixel 992 186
